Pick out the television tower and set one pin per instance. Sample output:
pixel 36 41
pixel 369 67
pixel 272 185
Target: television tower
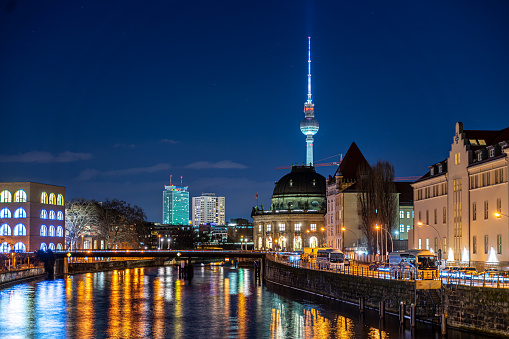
pixel 309 125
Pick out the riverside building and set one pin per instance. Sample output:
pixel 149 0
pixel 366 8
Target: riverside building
pixel 208 209
pixel 175 205
pixel 456 201
pixel 32 217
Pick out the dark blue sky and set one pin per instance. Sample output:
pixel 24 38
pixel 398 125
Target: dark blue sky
pixel 108 98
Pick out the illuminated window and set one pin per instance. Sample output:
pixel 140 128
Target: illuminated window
pixel 60 215
pixel 420 243
pixel 259 228
pixel 44 214
pixel 407 228
pixel 60 200
pixel 5 196
pixel 269 228
pixel 52 199
pixel 20 196
pixel 51 246
pixel 44 231
pixel 43 246
pixel 408 215
pixel 52 215
pixel 20 247
pixel 281 227
pixel 297 227
pixel 60 231
pixel 51 231
pixel 5 229
pixel 20 229
pixel 427 243
pixel 44 198
pixel 5 213
pixel 20 213
pixel 313 227
pixel 59 247
pixel 5 247
pixel 401 228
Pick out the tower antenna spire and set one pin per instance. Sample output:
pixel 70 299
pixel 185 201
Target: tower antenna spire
pixel 309 126
pixel 309 70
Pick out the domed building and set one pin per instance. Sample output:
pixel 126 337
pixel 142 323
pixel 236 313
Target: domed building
pixel 296 216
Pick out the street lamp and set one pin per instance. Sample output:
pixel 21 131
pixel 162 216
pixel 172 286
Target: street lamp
pixel 419 223
pixel 498 214
pixel 159 241
pixel 242 243
pixel 169 243
pixel 343 238
pixel 390 237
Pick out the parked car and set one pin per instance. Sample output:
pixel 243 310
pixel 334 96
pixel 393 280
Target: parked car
pixel 450 272
pixel 468 273
pixel 385 267
pixel 374 265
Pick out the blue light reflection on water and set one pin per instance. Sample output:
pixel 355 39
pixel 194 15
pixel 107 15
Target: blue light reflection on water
pixel 153 302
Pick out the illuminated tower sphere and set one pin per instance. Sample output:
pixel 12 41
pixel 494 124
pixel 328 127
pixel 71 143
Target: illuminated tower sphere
pixel 309 125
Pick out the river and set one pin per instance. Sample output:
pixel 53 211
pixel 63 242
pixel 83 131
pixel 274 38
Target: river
pixel 220 302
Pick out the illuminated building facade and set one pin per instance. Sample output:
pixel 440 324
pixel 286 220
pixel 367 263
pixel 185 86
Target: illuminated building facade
pixel 296 216
pixel 459 197
pixel 208 209
pixel 32 217
pixel 309 125
pixel 175 205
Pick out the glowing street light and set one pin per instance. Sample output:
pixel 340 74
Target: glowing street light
pixel 499 215
pixel 419 223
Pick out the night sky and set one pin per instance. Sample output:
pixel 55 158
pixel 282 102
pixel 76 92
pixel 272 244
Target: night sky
pixel 108 98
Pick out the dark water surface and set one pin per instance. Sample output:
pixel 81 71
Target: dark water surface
pixel 154 303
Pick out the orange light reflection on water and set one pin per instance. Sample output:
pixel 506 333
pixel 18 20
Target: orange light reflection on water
pixel 85 306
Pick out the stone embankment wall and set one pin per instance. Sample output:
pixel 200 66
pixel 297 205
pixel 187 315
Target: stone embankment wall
pixel 479 309
pixel 9 277
pixel 342 286
pixel 482 309
pixel 85 267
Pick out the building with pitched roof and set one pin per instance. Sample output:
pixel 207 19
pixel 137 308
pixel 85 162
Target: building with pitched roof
pixel 456 201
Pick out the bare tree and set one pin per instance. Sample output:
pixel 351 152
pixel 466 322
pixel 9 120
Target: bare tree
pixel 121 225
pixel 81 218
pixel 377 201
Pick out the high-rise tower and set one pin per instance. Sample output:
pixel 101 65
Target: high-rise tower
pixel 175 204
pixel 309 125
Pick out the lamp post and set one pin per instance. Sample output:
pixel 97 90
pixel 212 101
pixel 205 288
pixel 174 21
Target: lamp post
pixel 390 237
pixel 377 245
pixel 420 223
pixel 343 238
pixel 159 242
pixel 169 243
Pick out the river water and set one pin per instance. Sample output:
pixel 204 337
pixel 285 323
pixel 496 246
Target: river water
pixel 220 302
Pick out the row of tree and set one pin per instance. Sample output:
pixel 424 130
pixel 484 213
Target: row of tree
pixel 114 221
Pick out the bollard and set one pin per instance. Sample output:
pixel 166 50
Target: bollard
pixel 361 304
pixel 443 321
pixel 401 313
pixel 381 308
pixel 412 315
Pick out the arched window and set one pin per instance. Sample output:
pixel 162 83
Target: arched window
pixel 52 215
pixel 60 231
pixel 51 231
pixel 59 247
pixel 43 246
pixel 20 196
pixel 60 200
pixel 44 214
pixel 44 198
pixel 5 247
pixel 60 215
pixel 51 246
pixel 52 199
pixel 5 213
pixel 5 229
pixel 20 213
pixel 44 231
pixel 5 196
pixel 20 229
pixel 20 247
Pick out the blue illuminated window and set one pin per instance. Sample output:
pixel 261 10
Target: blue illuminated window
pixel 20 247
pixel 20 229
pixel 5 213
pixel 52 215
pixel 5 229
pixel 44 214
pixel 59 247
pixel 44 231
pixel 20 196
pixel 43 246
pixel 60 215
pixel 51 246
pixel 5 247
pixel 20 213
pixel 60 231
pixel 51 231
pixel 5 196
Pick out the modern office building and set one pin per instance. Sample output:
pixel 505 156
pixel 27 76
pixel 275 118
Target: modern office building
pixel 32 217
pixel 175 205
pixel 208 209
pixel 456 202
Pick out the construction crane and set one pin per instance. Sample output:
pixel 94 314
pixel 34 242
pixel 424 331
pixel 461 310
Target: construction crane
pixel 319 164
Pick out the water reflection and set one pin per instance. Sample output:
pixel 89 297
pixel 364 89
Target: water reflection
pixel 153 302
